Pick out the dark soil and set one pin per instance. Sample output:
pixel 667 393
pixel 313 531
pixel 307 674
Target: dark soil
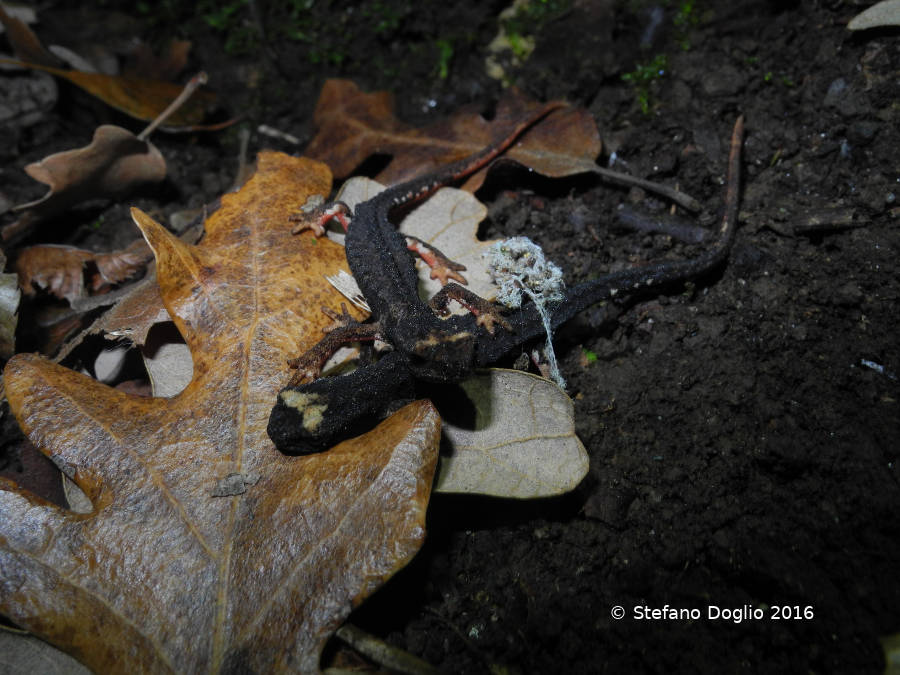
pixel 743 428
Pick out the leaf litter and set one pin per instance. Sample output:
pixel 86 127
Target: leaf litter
pixel 251 581
pixel 143 98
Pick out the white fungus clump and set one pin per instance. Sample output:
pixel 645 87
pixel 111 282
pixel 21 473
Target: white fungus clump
pixel 518 267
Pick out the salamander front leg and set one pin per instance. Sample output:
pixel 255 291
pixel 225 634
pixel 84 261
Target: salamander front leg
pixel 309 364
pixel 316 214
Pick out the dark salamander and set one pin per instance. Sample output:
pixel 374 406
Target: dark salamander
pixel 312 414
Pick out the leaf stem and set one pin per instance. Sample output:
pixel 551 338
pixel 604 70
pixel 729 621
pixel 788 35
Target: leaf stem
pixel 193 84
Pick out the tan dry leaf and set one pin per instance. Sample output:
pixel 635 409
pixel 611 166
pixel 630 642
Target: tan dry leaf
pixel 113 165
pixel 135 310
pixel 162 576
pixel 522 443
pixel 352 125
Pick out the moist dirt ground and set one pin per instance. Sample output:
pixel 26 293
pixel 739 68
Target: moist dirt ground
pixel 742 428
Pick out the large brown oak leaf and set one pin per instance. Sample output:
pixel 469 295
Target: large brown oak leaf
pixel 353 125
pixel 163 576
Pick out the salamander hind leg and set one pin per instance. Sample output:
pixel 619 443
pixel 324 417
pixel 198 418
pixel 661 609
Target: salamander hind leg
pixel 442 268
pixel 486 313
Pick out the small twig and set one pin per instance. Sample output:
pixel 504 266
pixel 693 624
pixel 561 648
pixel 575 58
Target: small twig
pixel 676 196
pixel 394 658
pixel 674 227
pixel 266 130
pixel 469 644
pixel 824 219
pixel 245 169
pixel 193 84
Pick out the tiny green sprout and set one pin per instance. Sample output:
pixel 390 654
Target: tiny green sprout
pixel 528 17
pixel 643 76
pixel 384 17
pixel 589 356
pixel 518 266
pixel 445 56
pixel 685 17
pixel 775 157
pixel 229 19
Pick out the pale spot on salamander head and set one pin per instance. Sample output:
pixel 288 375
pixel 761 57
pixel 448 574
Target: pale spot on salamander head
pixel 307 405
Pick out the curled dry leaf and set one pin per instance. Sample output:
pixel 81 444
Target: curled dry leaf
pixel 161 576
pixel 352 125
pixel 114 163
pixel 61 269
pixel 522 443
pixel 117 266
